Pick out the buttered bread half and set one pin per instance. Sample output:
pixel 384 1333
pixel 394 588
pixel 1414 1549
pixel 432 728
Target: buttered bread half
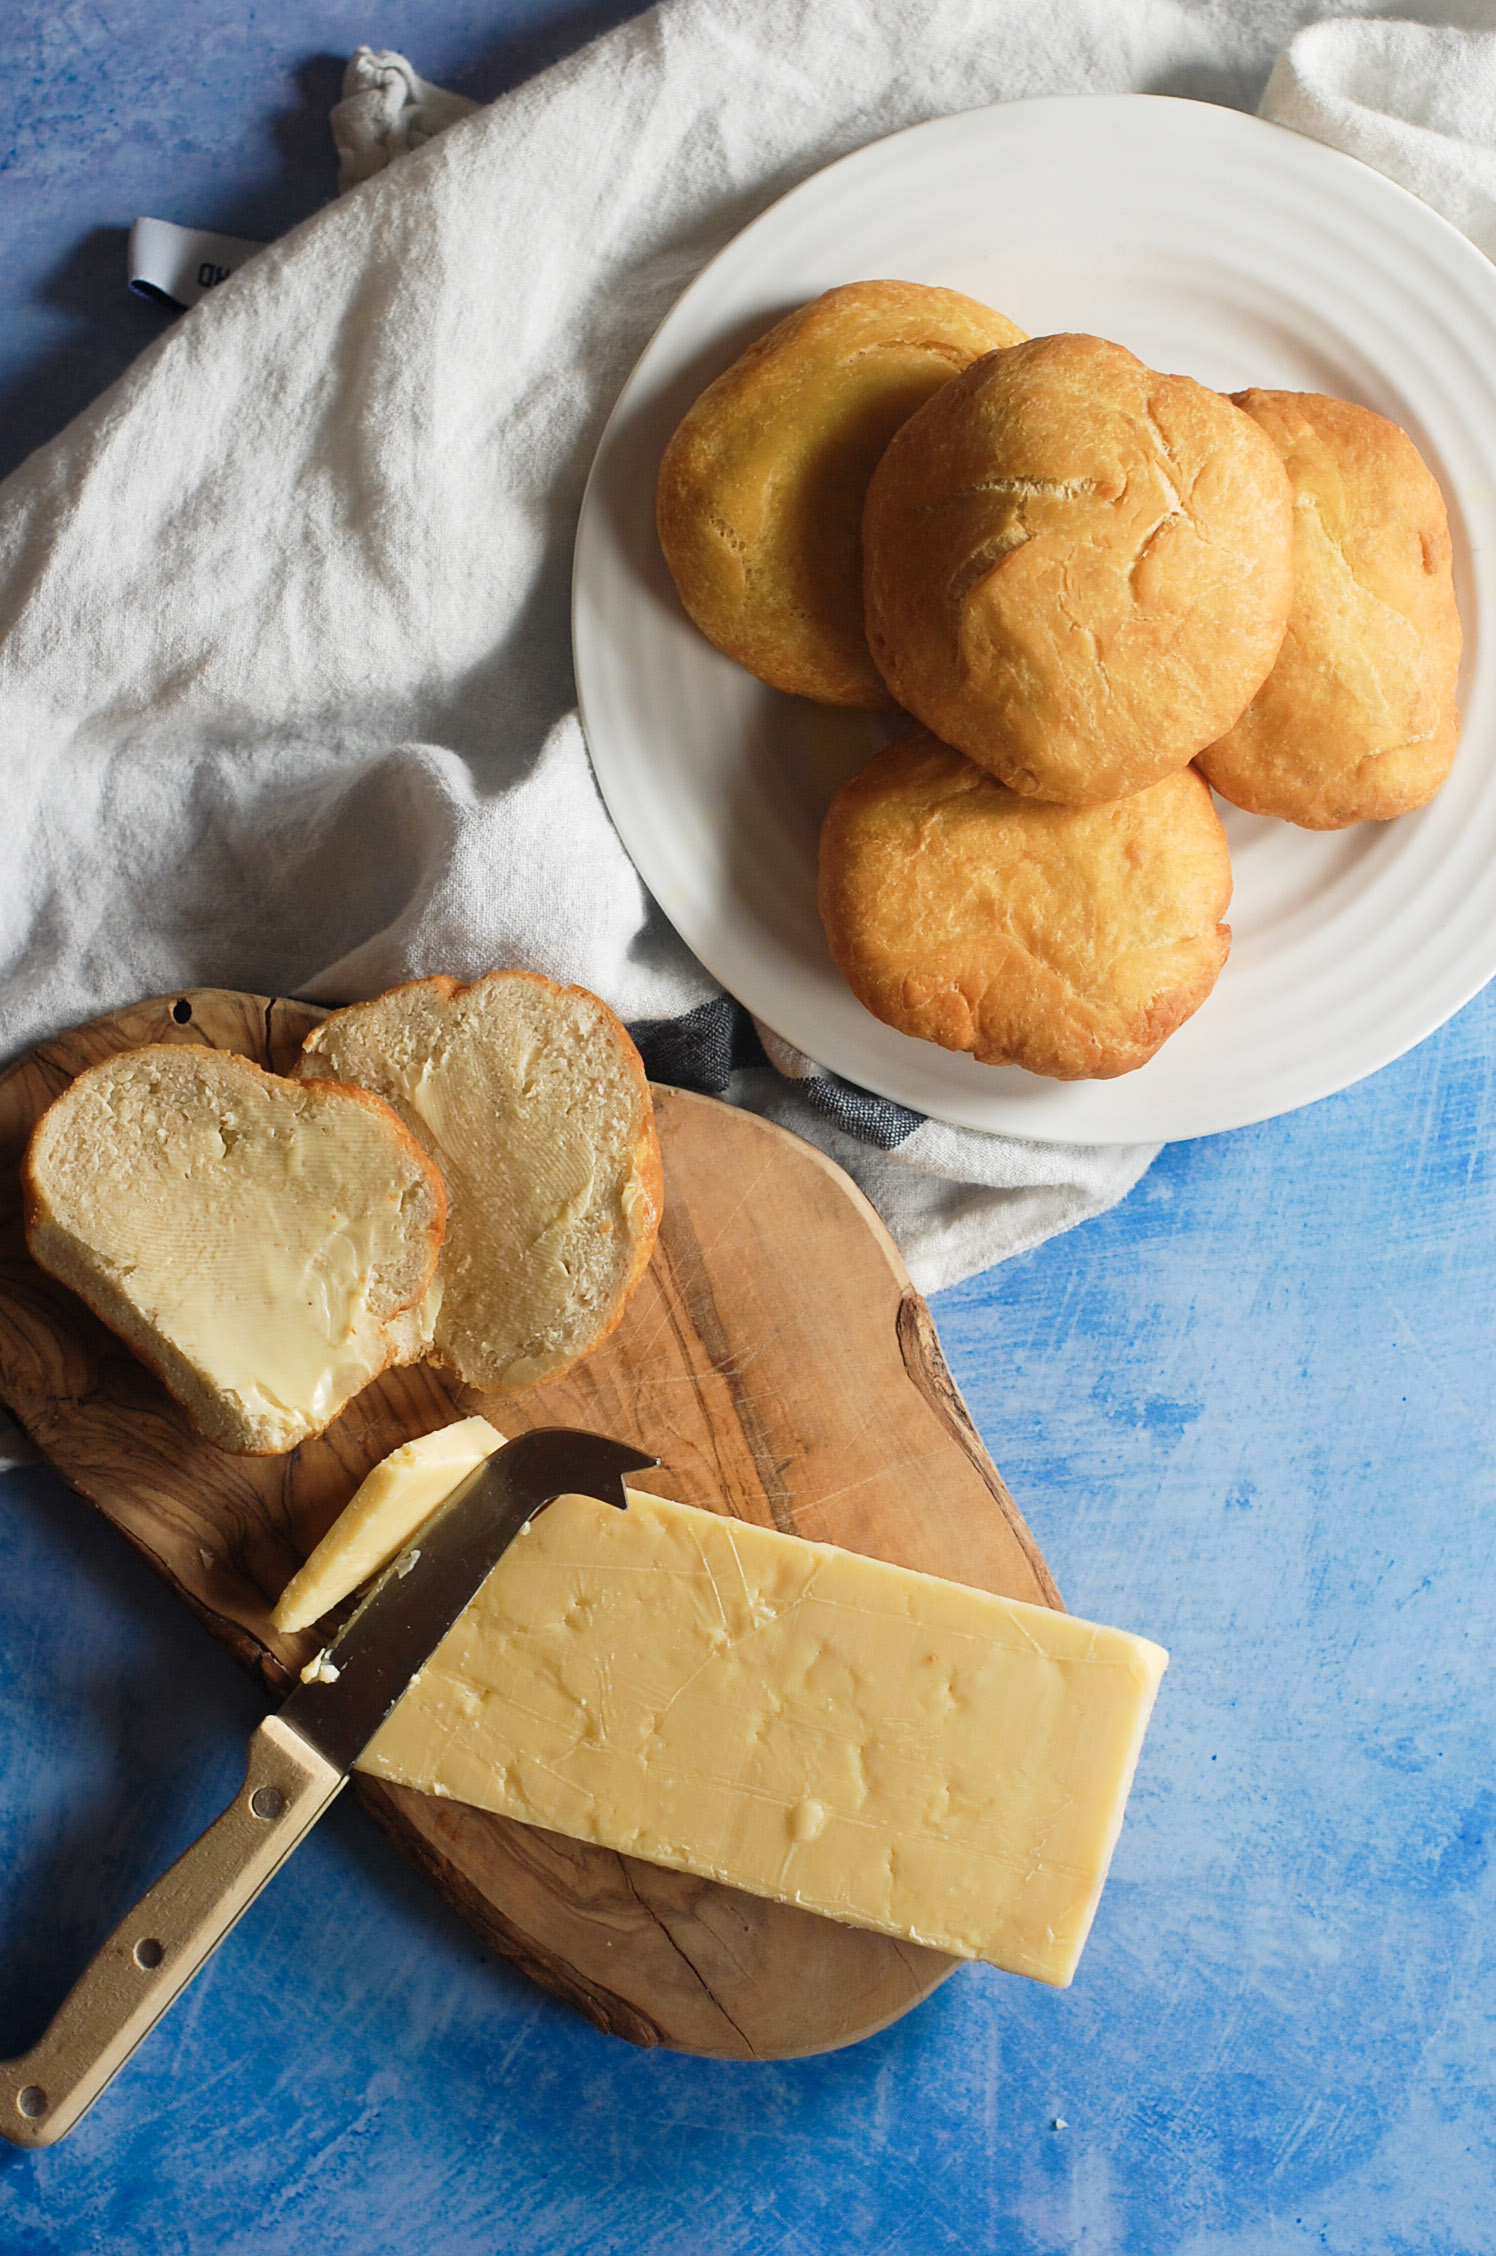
pixel 760 494
pixel 266 1246
pixel 533 1102
pixel 1077 571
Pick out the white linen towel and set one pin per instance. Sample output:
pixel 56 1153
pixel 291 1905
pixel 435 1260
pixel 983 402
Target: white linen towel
pixel 386 111
pixel 284 666
pixel 1416 100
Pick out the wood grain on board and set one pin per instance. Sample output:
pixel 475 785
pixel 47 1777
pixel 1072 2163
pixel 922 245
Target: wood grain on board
pixel 775 1359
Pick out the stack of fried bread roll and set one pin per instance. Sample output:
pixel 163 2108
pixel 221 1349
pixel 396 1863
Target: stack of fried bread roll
pixel 1099 593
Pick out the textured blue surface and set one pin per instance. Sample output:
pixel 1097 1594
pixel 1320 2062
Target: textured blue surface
pixel 1250 1413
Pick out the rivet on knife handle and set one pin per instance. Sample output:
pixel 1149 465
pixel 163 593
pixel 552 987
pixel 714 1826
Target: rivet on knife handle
pixel 154 1952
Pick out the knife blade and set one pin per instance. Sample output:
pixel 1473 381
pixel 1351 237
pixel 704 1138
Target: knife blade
pixel 357 1681
pixel 299 1761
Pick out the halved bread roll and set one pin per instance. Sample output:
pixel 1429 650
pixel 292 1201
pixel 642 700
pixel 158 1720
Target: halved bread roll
pixel 534 1103
pixel 267 1247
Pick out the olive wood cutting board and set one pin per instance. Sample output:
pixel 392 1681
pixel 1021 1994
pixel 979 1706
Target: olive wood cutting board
pixel 775 1358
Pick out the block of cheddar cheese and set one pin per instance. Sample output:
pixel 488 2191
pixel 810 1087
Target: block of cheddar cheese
pixel 891 1750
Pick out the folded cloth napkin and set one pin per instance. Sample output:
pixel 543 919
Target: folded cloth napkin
pixel 284 664
pixel 387 110
pixel 1416 100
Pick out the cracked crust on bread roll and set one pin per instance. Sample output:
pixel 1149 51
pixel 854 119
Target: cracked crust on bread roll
pixel 1070 940
pixel 1077 571
pixel 1358 719
pixel 533 1102
pixel 265 1246
pixel 759 502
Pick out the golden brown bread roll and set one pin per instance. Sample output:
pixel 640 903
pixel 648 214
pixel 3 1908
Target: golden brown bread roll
pixel 1358 717
pixel 759 502
pixel 1077 571
pixel 1071 940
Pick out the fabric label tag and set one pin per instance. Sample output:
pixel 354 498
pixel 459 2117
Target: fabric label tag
pixel 179 265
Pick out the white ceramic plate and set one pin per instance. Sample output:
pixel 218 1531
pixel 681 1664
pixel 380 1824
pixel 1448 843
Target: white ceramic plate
pixel 1210 244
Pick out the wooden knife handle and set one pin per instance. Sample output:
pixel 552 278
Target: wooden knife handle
pixel 155 1951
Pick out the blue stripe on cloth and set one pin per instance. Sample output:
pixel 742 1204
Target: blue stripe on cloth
pixel 857 1112
pixel 703 1048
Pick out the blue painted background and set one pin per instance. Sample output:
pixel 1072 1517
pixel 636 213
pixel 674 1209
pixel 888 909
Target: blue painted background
pixel 1250 1413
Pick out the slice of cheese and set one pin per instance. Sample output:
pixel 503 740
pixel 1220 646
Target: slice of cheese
pixel 891 1750
pixel 403 1490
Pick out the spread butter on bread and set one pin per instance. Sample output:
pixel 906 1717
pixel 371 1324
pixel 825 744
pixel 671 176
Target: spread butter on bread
pixel 533 1101
pixel 266 1246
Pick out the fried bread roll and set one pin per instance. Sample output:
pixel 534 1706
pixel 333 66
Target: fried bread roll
pixel 1357 719
pixel 1077 571
pixel 1070 940
pixel 759 503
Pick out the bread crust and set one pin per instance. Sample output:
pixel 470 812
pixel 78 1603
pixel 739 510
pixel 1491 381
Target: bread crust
pixel 644 1161
pixel 57 1249
pixel 1358 720
pixel 1077 571
pixel 1069 940
pixel 760 493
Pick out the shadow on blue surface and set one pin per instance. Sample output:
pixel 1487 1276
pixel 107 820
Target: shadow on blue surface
pixel 115 1784
pixel 126 1733
pixel 80 297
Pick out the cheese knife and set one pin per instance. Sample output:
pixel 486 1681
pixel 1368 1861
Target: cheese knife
pixel 299 1761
